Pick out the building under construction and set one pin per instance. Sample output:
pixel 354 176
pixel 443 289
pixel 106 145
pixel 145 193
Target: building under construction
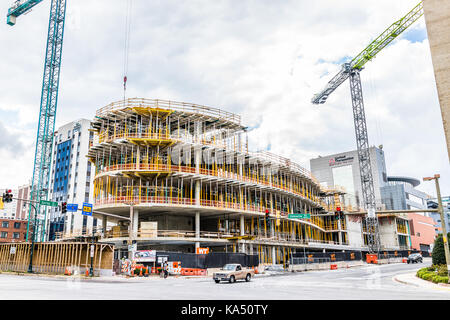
pixel 177 176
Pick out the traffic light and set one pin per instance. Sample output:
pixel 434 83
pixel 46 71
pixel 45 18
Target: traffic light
pixel 338 210
pixel 267 216
pixel 64 207
pixel 7 196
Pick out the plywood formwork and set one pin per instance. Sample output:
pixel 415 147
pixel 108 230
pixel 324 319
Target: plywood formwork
pixel 55 258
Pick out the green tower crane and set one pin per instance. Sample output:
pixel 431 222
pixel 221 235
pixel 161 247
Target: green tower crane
pixel 352 70
pixel 47 112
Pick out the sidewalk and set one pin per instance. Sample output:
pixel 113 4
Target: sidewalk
pixel 75 278
pixel 411 279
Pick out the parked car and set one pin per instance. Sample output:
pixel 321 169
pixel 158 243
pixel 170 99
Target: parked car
pixel 233 272
pixel 415 258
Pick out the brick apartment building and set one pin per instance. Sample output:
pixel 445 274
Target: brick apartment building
pixel 13 230
pixel 423 232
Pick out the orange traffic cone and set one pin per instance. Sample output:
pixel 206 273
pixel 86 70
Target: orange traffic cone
pixel 146 272
pixel 87 272
pixel 140 272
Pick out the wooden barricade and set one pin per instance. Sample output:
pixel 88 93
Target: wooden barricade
pixel 56 257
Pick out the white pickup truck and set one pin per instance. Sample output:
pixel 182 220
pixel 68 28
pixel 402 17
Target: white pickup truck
pixel 233 272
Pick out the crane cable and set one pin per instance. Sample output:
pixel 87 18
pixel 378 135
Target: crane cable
pixel 126 45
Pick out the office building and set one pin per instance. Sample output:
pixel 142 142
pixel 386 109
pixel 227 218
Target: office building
pixel 71 180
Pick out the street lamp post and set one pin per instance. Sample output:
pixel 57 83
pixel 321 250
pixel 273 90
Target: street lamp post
pixel 91 270
pixel 441 212
pixel 30 266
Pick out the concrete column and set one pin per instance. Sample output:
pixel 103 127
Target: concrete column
pixel 272 222
pixel 274 255
pixel 135 223
pixel 197 229
pixel 292 231
pixel 241 167
pixel 104 224
pixel 131 232
pixel 251 248
pixel 197 192
pixel 138 157
pixel 242 231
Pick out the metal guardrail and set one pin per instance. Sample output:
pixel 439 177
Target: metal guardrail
pixel 170 105
pixel 306 260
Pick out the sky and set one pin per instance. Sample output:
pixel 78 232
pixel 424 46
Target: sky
pixel 261 59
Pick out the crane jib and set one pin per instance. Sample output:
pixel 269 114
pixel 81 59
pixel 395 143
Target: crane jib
pixel 371 51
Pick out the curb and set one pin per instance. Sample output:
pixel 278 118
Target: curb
pixel 404 282
pixel 421 283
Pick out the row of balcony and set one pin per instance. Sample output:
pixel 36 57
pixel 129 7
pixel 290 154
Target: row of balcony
pixel 189 234
pixel 317 220
pixel 262 180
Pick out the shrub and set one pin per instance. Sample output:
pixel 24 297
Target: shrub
pixel 439 279
pixel 432 268
pixel 438 254
pixel 442 270
pixel 421 272
pixel 427 276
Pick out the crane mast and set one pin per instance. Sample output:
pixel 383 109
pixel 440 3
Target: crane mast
pixel 352 71
pixel 48 105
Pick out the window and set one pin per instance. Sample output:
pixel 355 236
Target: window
pixel 16 235
pixel 17 225
pixel 5 224
pixel 4 235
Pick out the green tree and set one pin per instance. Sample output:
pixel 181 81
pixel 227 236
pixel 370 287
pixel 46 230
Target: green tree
pixel 438 254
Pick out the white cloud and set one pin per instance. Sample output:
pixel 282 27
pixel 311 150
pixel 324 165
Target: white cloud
pixel 259 58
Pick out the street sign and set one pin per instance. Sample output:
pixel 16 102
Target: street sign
pixel 12 250
pixel 299 216
pixel 72 207
pixel 162 259
pixel 87 209
pixel 92 250
pixel 48 203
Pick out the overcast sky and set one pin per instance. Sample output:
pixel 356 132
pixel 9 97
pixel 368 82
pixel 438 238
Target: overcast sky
pixel 262 59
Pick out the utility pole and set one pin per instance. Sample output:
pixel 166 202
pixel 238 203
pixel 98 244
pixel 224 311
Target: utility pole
pixel 441 212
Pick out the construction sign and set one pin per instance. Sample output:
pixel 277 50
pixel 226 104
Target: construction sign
pixel 145 256
pixel 87 209
pixel 202 250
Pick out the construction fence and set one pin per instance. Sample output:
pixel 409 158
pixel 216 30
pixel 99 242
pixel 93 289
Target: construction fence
pixel 389 256
pixel 202 261
pixel 57 257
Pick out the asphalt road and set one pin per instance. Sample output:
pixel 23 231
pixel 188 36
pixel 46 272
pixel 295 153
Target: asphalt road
pixel 360 283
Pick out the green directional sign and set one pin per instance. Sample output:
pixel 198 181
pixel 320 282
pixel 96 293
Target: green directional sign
pixel 48 203
pixel 299 216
